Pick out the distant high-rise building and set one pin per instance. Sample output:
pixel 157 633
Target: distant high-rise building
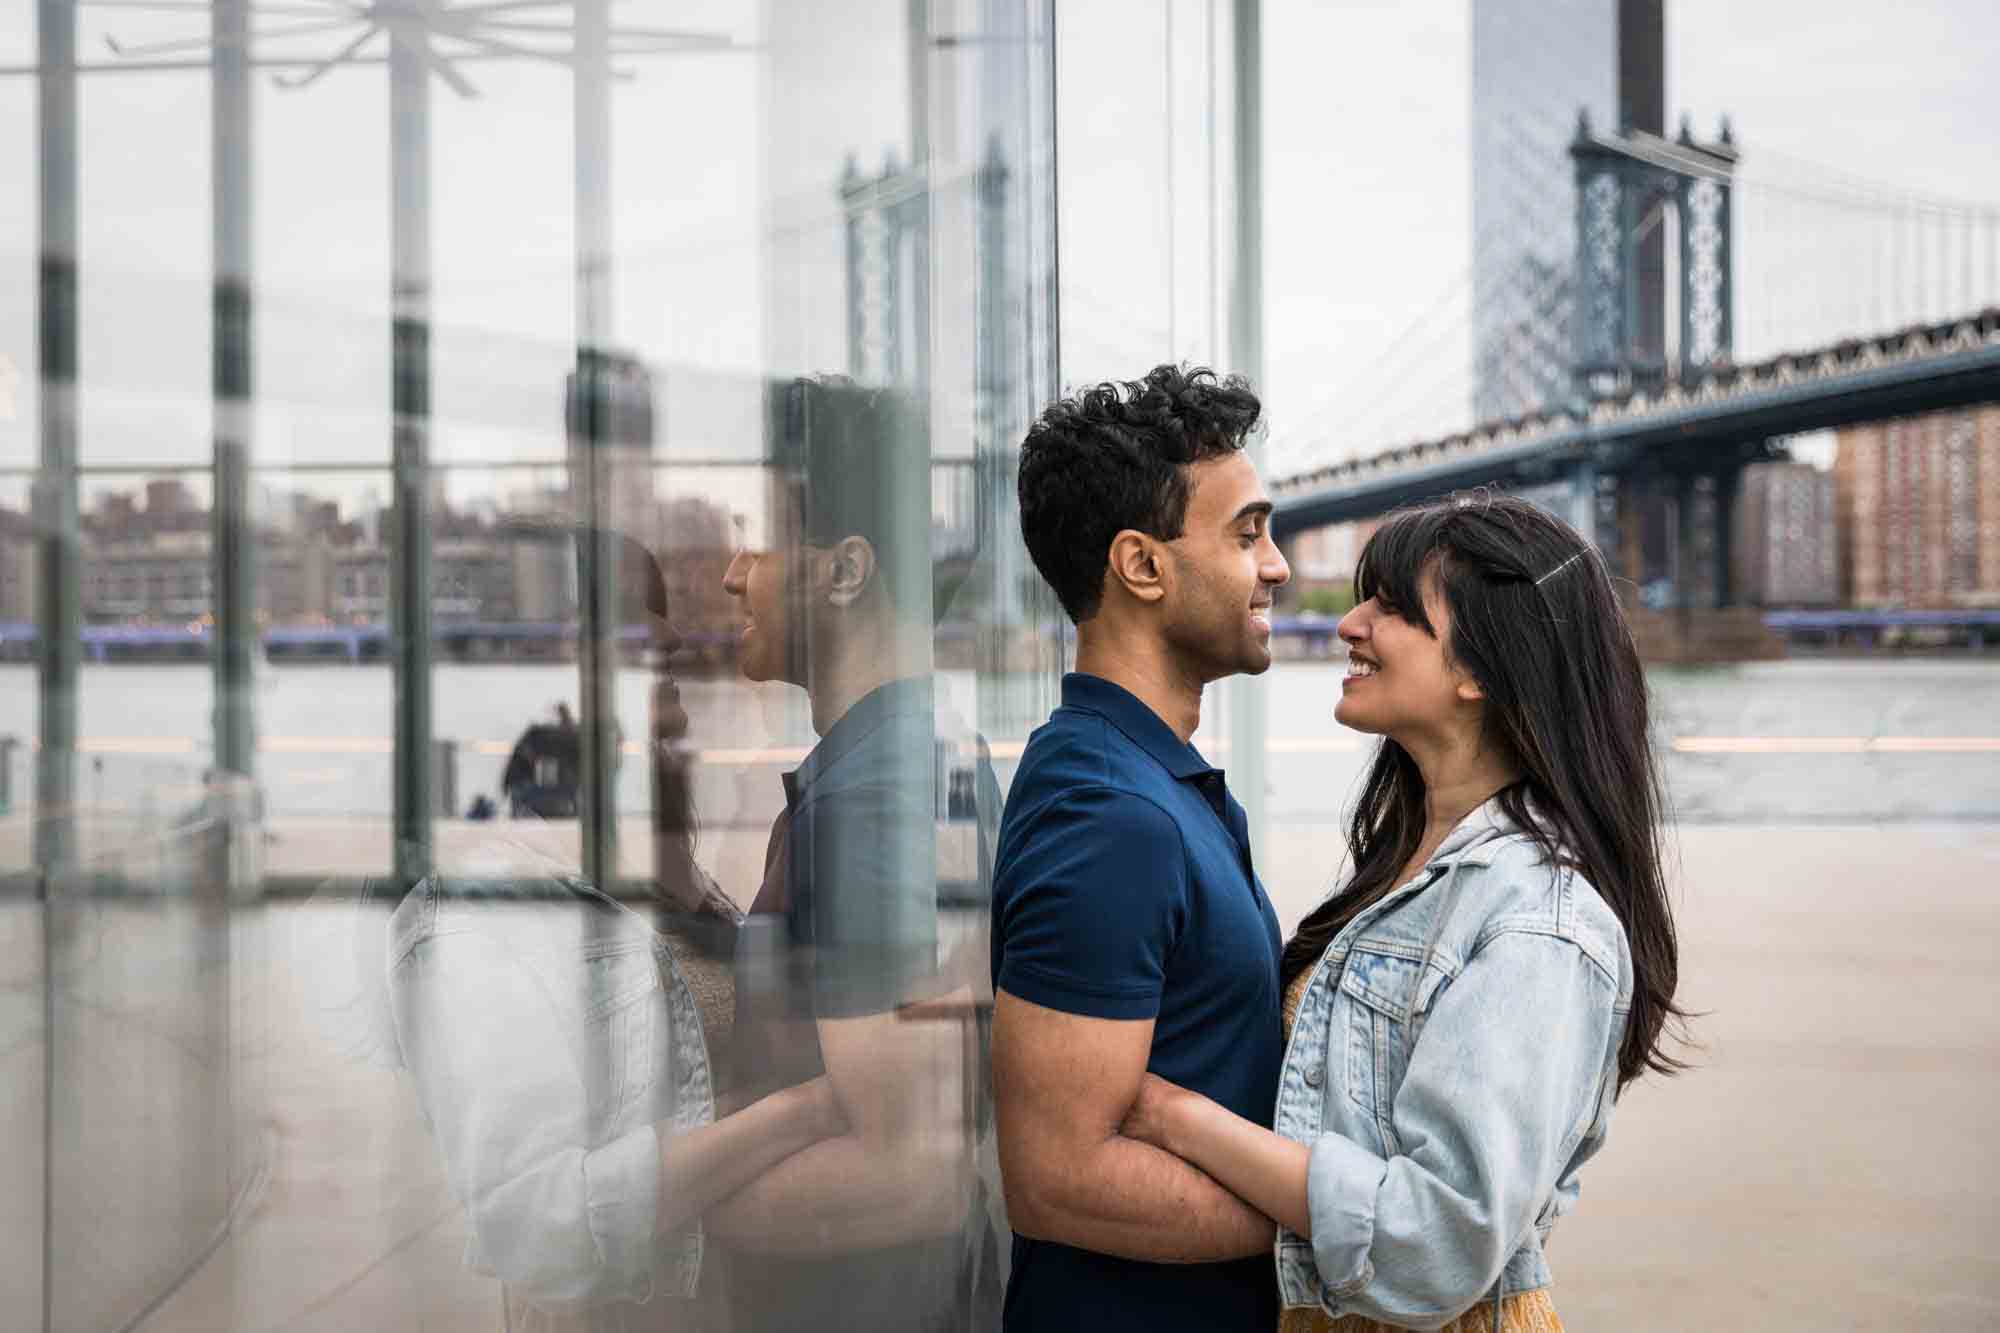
pixel 1535 65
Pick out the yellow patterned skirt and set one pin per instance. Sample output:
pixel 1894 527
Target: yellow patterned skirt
pixel 1523 1312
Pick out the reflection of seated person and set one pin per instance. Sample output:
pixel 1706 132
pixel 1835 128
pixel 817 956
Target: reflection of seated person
pixel 872 1228
pixel 561 1048
pixel 542 772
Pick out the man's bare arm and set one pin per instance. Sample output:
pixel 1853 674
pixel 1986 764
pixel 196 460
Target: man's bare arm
pixel 1062 1084
pixel 701 1166
pixel 900 1171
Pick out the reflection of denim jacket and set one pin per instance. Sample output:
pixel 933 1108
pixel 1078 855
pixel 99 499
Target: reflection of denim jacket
pixel 548 1033
pixel 1453 1065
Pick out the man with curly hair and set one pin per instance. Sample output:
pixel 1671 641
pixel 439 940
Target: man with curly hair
pixel 1130 932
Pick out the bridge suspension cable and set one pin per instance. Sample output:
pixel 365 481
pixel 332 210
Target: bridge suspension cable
pixel 1418 382
pixel 1825 254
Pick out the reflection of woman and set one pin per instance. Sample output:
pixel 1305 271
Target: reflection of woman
pixel 558 1055
pixel 561 1049
pixel 1461 1014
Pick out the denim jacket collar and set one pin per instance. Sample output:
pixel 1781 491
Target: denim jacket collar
pixel 1475 838
pixel 1474 841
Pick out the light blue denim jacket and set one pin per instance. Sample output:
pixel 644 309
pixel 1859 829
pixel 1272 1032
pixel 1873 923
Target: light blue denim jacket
pixel 1453 1064
pixel 552 1042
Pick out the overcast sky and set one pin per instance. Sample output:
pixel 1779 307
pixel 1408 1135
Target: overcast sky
pixel 1368 169
pixel 1367 107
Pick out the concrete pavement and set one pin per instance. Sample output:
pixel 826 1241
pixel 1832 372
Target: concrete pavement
pixel 1829 1163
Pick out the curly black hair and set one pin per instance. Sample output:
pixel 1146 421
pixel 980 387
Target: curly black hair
pixel 857 460
pixel 1115 456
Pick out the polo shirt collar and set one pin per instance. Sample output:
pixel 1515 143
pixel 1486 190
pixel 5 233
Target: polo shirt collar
pixel 910 695
pixel 1124 710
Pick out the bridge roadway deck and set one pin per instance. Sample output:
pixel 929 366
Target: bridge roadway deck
pixel 1917 370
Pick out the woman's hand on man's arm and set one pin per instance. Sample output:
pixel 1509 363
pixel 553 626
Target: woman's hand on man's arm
pixel 1262 1168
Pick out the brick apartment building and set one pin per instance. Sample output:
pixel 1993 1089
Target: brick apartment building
pixel 1919 510
pixel 1785 544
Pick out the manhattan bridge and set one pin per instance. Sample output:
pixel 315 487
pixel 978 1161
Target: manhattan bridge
pixel 1795 299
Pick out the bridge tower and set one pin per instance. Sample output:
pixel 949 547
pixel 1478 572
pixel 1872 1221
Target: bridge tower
pixel 1628 187
pixel 1663 526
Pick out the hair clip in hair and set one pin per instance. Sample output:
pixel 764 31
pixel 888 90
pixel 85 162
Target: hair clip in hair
pixel 1560 568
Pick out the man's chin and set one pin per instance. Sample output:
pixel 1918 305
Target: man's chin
pixel 753 668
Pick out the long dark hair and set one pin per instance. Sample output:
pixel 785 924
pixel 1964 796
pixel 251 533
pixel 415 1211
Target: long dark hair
pixel 1536 623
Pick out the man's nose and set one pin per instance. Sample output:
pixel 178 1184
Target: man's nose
pixel 738 573
pixel 1276 570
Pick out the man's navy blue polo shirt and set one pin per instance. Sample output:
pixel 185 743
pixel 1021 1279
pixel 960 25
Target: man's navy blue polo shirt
pixel 1123 889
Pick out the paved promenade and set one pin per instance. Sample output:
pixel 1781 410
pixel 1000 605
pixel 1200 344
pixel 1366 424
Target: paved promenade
pixel 1830 1163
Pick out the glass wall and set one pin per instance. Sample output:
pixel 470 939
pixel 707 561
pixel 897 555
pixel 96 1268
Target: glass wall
pixel 514 635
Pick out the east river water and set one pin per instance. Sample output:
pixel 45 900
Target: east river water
pixel 1806 740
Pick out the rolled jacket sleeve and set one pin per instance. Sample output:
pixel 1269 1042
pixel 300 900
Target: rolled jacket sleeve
pixel 1342 1182
pixel 568 1223
pixel 1501 1084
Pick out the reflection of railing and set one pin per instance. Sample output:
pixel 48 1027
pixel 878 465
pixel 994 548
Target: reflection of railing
pixel 369 641
pixel 953 782
pixel 353 641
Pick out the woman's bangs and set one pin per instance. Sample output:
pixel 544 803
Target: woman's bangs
pixel 1391 567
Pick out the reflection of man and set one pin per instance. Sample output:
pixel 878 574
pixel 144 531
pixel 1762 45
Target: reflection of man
pixel 862 1230
pixel 561 1050
pixel 1129 930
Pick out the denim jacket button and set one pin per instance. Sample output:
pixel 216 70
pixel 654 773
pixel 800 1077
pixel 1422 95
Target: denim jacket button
pixel 1315 1075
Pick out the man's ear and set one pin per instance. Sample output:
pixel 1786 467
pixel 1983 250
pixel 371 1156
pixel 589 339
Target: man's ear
pixel 850 567
pixel 1139 565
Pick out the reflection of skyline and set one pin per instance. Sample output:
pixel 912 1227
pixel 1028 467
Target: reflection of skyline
pixel 500 554
pixel 145 557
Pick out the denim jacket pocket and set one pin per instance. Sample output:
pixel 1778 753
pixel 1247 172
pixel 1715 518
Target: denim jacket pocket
pixel 1388 996
pixel 623 994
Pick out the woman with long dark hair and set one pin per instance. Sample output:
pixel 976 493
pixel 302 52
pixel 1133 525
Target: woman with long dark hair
pixel 1463 1012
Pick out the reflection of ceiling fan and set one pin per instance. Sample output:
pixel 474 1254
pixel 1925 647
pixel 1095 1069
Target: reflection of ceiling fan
pixel 453 33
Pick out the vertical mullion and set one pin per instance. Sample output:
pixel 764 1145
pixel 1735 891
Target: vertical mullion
pixel 1248 704
pixel 409 552
pixel 58 645
pixel 232 550
pixel 597 600
pixel 58 649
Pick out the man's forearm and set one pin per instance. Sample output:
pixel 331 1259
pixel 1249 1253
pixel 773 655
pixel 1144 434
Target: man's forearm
pixel 701 1166
pixel 846 1193
pixel 1133 1200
